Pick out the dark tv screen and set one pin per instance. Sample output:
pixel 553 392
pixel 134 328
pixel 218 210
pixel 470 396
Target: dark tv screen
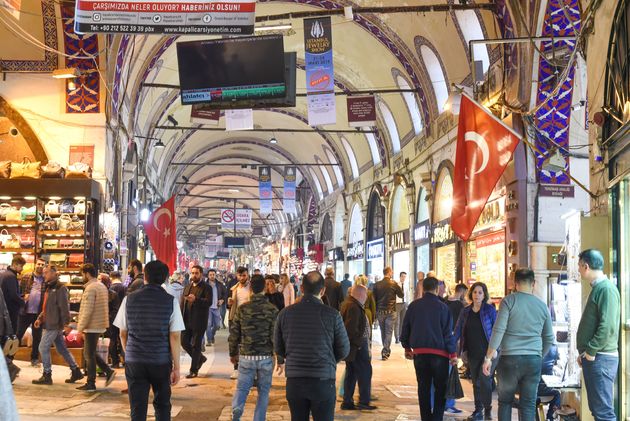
pixel 231 69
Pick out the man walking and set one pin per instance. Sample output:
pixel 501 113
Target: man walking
pixel 195 304
pixel 32 287
pixel 150 323
pixel 598 336
pixel 401 305
pixel 251 346
pixel 312 338
pixel 524 333
pixel 358 365
pixel 93 321
pixel 239 295
pixel 54 318
pixel 218 297
pixel 10 288
pixel 115 348
pixel 345 286
pixel 134 270
pixel 385 293
pixel 333 292
pixel 427 337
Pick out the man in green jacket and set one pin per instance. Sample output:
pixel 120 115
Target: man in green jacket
pixel 598 336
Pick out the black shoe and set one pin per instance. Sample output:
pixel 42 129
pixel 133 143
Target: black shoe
pixel 76 375
pixel 348 407
pixel 385 357
pixel 14 370
pixel 88 387
pixel 191 375
pixel 477 415
pixel 116 365
pixel 487 414
pixel 46 379
pixel 110 377
pixel 365 407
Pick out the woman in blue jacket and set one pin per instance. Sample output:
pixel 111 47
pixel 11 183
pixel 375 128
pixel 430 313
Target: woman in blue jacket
pixel 473 330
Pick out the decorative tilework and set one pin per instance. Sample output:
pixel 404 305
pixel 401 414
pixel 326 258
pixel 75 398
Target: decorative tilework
pixel 553 119
pixel 506 27
pixel 120 59
pixel 85 98
pixel 50 61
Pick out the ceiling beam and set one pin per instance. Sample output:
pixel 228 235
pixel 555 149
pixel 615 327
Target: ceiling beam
pixel 232 186
pixel 277 130
pixel 245 165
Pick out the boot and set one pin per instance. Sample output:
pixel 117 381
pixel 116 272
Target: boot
pixel 46 379
pixel 487 414
pixel 76 375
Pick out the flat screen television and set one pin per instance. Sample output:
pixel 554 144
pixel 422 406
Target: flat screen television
pixel 245 72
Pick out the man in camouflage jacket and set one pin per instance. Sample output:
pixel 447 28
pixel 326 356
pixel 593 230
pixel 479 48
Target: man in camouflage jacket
pixel 251 345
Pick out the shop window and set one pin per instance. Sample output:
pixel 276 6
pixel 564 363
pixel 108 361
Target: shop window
pixel 422 213
pixel 371 139
pixel 400 210
pixel 390 123
pixel 376 218
pixel 412 104
pixel 336 169
pixel 437 76
pixel 354 166
pixel 471 28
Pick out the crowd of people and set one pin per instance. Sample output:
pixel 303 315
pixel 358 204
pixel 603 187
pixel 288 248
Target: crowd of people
pixel 304 328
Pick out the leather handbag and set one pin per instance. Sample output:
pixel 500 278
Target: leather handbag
pixel 78 243
pixel 4 237
pixel 58 259
pixel 13 242
pixel 63 221
pixel 66 207
pixel 4 208
pixel 28 240
pixel 5 169
pixel 26 169
pixel 48 224
pixel 13 214
pixel 79 170
pixel 28 214
pixel 79 207
pixel 51 207
pixel 51 244
pixel 66 243
pixel 75 260
pixel 76 224
pixel 53 170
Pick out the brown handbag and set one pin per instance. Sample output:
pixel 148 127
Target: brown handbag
pixel 5 169
pixel 79 170
pixel 26 169
pixel 53 170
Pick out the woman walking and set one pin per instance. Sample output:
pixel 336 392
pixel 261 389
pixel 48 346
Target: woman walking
pixel 473 330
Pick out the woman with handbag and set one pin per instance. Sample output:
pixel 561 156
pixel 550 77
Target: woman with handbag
pixel 473 330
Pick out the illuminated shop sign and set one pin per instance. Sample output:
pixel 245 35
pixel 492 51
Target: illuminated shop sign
pixel 442 234
pixel 399 240
pixel 335 254
pixel 376 249
pixel 355 250
pixel 422 233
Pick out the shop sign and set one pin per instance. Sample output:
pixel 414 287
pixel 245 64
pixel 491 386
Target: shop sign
pixel 223 255
pixel 83 154
pixel 355 250
pixel 491 239
pixel 442 234
pixel 335 255
pixel 375 249
pixel 399 240
pixel 236 219
pixel 421 233
pixel 185 17
pixel 556 190
pixel 202 114
pixel 493 214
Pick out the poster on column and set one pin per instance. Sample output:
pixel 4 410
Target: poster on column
pixel 288 198
pixel 264 187
pixel 320 77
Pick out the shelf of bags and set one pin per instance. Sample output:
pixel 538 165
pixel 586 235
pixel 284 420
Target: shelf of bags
pixel 57 214
pixel 62 233
pixel 62 250
pixel 31 250
pixel 11 224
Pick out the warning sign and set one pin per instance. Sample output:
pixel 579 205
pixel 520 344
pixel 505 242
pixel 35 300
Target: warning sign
pixel 241 218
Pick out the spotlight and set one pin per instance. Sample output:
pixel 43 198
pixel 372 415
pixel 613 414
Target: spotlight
pixel 273 140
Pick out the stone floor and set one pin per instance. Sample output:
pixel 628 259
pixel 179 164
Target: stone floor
pixel 208 397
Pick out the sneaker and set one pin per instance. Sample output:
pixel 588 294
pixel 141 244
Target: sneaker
pixel 475 416
pixel 88 387
pixel 35 363
pixel 348 407
pixel 110 378
pixel 236 414
pixel 452 411
pixel 365 407
pixel 76 375
pixel 234 375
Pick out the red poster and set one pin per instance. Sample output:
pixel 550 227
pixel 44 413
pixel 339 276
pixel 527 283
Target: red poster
pixel 361 111
pixel 204 115
pixel 83 154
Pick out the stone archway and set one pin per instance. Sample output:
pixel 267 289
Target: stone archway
pixel 17 138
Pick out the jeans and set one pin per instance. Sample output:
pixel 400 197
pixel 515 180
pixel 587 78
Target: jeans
pixel 431 370
pixel 115 347
pixel 482 384
pixel 223 311
pixel 386 322
pixel 359 370
pixel 311 396
pixel 50 337
pixel 401 310
pixel 544 391
pixel 191 342
pixel 214 324
pixel 518 373
pixel 92 359
pixel 141 377
pixel 248 370
pixel 599 379
pixel 24 321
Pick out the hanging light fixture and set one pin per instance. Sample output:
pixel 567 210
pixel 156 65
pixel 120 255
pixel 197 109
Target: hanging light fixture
pixel 159 144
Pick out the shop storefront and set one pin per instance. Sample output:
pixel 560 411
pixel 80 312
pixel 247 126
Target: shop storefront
pixel 335 260
pixel 375 253
pixel 355 244
pixel 375 245
pixel 443 240
pixel 399 240
pixel 421 235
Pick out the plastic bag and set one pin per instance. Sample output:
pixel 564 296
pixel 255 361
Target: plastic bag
pixel 454 386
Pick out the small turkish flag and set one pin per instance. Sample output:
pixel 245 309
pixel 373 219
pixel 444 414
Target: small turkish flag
pixel 161 230
pixel 484 148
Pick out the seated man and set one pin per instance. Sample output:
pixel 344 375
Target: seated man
pixel 543 390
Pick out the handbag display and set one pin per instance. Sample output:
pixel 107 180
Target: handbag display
pixel 50 244
pixel 4 237
pixel 75 260
pixel 51 207
pixel 4 209
pixel 79 170
pixel 58 259
pixel 25 169
pixel 5 259
pixel 66 207
pixel 13 214
pixel 5 169
pixel 63 221
pixel 79 207
pixel 78 244
pixel 12 243
pixel 76 224
pixel 28 214
pixel 48 224
pixel 66 243
pixel 27 241
pixel 53 170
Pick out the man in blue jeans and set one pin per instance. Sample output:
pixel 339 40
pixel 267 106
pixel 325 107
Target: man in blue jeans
pixel 218 298
pixel 524 333
pixel 251 347
pixel 385 293
pixel 598 336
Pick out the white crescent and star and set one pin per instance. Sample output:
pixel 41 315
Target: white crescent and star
pixel 482 145
pixel 159 213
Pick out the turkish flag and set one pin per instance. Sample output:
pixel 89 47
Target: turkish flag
pixel 484 148
pixel 161 230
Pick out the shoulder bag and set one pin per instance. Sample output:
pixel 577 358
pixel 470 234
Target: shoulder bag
pixel 66 207
pixel 51 206
pixel 58 259
pixel 28 214
pixel 5 169
pixel 4 237
pixel 53 170
pixel 4 209
pixel 13 242
pixel 63 221
pixel 79 170
pixel 14 214
pixel 25 169
pixel 79 207
pixel 48 224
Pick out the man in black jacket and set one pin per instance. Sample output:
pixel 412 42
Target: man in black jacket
pixel 358 365
pixel 10 288
pixel 196 302
pixel 333 292
pixel 385 293
pixel 311 337
pixel 32 288
pixel 219 296
pixel 135 272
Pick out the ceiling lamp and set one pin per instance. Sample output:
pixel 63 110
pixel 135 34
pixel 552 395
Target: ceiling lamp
pixel 159 144
pixel 68 73
pixel 273 141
